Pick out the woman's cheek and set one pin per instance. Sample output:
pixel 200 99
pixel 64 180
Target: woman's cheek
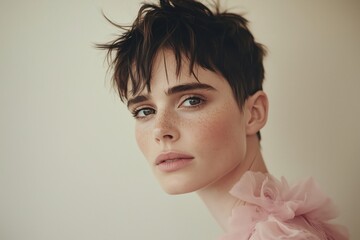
pixel 209 128
pixel 143 136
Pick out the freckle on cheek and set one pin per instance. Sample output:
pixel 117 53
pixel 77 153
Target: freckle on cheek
pixel 212 124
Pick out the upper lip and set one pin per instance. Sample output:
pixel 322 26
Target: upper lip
pixel 171 156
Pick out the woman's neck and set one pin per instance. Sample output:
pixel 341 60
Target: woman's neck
pixel 216 195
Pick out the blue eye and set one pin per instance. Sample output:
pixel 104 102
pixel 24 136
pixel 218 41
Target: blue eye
pixel 143 112
pixel 192 101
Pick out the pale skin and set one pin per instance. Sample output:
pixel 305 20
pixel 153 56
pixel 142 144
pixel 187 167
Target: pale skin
pixel 200 119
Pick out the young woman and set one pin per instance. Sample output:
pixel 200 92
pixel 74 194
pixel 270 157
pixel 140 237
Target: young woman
pixel 193 78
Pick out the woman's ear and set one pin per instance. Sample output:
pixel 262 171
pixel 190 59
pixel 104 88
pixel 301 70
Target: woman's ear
pixel 257 107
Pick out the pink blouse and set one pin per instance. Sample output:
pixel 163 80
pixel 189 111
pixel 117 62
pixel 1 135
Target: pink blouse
pixel 275 210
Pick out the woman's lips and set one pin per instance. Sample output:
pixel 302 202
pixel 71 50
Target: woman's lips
pixel 172 161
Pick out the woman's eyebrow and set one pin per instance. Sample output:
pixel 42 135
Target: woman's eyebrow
pixel 137 99
pixel 171 91
pixel 187 87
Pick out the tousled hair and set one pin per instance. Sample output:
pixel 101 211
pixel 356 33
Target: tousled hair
pixel 215 40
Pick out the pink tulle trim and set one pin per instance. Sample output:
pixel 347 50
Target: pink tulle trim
pixel 274 210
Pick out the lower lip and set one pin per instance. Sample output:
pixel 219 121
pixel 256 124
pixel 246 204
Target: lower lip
pixel 174 165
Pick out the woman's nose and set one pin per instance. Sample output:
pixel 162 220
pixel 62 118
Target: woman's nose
pixel 165 128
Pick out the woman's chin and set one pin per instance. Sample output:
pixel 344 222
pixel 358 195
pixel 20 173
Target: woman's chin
pixel 174 187
pixel 176 190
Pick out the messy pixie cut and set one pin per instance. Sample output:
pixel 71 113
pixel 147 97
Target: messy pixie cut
pixel 215 40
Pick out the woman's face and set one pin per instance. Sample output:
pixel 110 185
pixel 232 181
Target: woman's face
pixel 191 132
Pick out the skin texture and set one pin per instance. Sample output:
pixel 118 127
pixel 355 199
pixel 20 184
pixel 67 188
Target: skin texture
pixel 205 123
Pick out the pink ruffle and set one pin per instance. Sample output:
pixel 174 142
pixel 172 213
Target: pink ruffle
pixel 274 210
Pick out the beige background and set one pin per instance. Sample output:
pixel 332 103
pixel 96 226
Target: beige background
pixel 69 166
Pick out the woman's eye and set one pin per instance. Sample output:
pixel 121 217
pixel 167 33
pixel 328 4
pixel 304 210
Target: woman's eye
pixel 192 101
pixel 143 112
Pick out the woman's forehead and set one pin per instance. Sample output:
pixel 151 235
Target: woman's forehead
pixel 164 67
pixel 166 74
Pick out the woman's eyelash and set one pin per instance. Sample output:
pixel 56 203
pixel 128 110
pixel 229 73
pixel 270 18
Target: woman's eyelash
pixel 136 112
pixel 197 99
pixel 188 102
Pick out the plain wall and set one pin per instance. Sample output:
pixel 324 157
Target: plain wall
pixel 69 165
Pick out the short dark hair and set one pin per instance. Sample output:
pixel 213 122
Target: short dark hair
pixel 215 40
